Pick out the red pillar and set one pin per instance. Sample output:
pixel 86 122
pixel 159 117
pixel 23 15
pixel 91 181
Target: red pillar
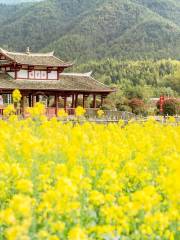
pixel 23 105
pixel 33 101
pixel 102 100
pixel 84 101
pixel 94 100
pixel 76 100
pixel 37 98
pixel 47 101
pixel 65 103
pixel 56 104
pixel 30 100
pixel 72 105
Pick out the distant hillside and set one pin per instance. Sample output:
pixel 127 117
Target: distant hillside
pixel 142 79
pixel 82 29
pixel 16 1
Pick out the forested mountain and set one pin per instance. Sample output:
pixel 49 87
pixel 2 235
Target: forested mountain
pixel 82 29
pixel 143 79
pixel 16 1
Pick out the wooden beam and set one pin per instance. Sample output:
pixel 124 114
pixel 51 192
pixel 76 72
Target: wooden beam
pixel 30 68
pixel 30 100
pixel 60 69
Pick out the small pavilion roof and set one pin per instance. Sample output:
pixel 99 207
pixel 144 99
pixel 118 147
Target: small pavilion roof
pixel 35 59
pixel 67 82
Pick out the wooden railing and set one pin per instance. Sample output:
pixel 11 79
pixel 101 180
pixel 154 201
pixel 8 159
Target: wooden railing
pixel 110 114
pixel 91 114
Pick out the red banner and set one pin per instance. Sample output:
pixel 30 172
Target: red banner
pixel 161 103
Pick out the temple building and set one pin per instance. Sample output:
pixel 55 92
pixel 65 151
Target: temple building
pixel 39 75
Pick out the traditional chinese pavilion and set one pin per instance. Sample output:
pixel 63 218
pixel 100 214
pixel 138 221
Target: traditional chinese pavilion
pixel 42 74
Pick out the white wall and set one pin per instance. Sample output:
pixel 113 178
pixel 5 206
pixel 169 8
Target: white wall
pixel 35 74
pixel 43 74
pixel 22 74
pixel 52 75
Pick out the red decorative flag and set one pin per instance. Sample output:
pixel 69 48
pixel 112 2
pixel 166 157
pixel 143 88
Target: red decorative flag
pixel 161 103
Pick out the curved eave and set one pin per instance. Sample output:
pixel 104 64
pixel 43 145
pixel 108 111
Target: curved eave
pixel 81 84
pixel 113 90
pixel 45 66
pixel 13 60
pixel 60 90
pixel 66 65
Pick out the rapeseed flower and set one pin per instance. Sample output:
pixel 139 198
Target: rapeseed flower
pixel 62 114
pixel 88 181
pixel 80 111
pixel 9 110
pixel 16 96
pixel 100 113
pixel 77 233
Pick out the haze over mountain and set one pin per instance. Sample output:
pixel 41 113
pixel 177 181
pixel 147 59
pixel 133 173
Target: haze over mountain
pixel 82 29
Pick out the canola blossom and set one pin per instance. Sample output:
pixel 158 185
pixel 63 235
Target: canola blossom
pixel 100 113
pixel 16 96
pixel 80 111
pixel 89 181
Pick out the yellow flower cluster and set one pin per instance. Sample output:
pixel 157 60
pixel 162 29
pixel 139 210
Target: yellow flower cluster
pixel 100 113
pixel 16 96
pixel 80 111
pixel 89 181
pixel 9 110
pixel 37 111
pixel 62 114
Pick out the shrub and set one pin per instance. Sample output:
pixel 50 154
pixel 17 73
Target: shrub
pixel 170 107
pixel 108 104
pixel 137 106
pixel 124 108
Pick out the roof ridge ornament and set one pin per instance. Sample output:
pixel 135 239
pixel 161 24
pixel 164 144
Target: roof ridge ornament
pixel 28 50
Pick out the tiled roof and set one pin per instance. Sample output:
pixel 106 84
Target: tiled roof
pixel 82 83
pixel 35 59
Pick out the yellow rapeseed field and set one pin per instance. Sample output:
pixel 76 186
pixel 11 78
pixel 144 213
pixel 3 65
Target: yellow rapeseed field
pixel 89 181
